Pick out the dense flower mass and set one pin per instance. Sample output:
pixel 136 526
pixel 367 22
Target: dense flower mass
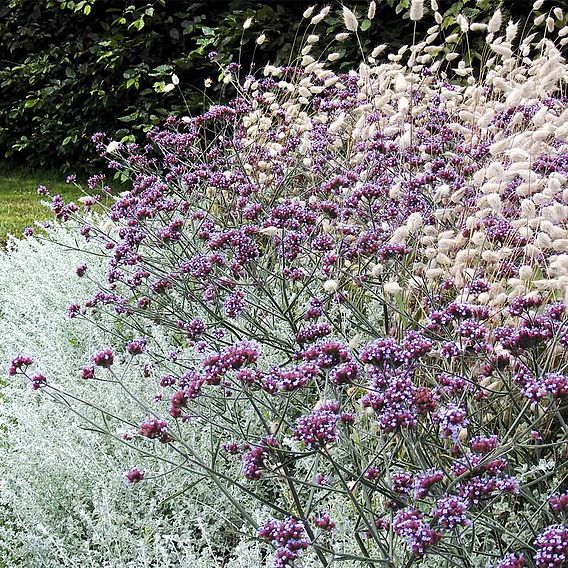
pixel 356 284
pixel 552 547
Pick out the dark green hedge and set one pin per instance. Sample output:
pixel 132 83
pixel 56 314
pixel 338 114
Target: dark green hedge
pixel 69 69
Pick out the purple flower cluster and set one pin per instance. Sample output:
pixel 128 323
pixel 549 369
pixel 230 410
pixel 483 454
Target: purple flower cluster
pixel 136 347
pixel 451 512
pixel 425 480
pixel 559 503
pixel 511 560
pixel 134 475
pixel 451 419
pixel 410 524
pixel 19 364
pixel 552 547
pixel 549 385
pixel 235 304
pixel 104 358
pixel 393 397
pixel 312 332
pixel 38 380
pixel 320 427
pixel 155 430
pixel 287 536
pixel 253 462
pixel 323 521
pixel 395 257
pixel 234 357
pixel 289 379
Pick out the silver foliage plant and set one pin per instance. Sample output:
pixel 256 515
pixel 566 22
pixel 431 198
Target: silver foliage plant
pixel 340 302
pixel 64 499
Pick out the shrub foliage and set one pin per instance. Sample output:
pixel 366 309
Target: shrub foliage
pixel 70 69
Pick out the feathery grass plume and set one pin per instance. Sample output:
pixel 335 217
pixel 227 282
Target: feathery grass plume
pixel 350 20
pixel 416 10
pixel 308 12
pixel 463 23
pixel 373 9
pixel 320 16
pixel 550 24
pixel 495 22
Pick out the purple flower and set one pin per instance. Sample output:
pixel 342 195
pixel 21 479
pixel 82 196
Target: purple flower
pixel 402 482
pixel 522 303
pixel 511 561
pixel 323 521
pixel 321 480
pixel 38 380
pixel 559 503
pixel 451 419
pixel 483 444
pixel 312 332
pixel 383 352
pixel 554 385
pixel 393 396
pixel 320 426
pixel 134 475
pixel 194 328
pixel 136 346
pixel 73 310
pixel 345 373
pixel 552 547
pixel 235 304
pixel 155 430
pixel 326 354
pixel 104 358
pixel 253 462
pixel 451 511
pixel 410 524
pixel 415 345
pixel 233 357
pixel 425 481
pixel 293 378
pixel 18 363
pixel 81 270
pixel 287 536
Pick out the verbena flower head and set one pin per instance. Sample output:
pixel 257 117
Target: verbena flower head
pixel 552 547
pixel 104 358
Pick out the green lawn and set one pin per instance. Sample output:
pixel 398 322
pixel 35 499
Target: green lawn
pixel 20 205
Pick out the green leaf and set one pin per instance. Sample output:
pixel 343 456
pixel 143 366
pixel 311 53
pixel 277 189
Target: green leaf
pixel 129 117
pixel 137 24
pixel 365 25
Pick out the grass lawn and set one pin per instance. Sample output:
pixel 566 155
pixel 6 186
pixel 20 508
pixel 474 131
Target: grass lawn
pixel 20 205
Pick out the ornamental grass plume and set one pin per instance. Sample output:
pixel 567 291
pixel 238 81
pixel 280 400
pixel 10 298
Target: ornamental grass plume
pixel 413 204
